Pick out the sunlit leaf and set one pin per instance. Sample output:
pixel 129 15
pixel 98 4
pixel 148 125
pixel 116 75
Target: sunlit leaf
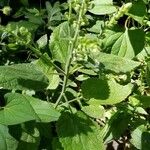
pixel 21 108
pixel 102 7
pixel 59 42
pixel 22 77
pixel 106 92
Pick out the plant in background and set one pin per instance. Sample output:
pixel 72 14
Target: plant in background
pixel 75 75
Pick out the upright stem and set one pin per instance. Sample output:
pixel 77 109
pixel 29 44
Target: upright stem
pixel 68 63
pixel 70 11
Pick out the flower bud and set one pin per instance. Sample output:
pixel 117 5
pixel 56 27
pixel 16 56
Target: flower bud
pixel 6 10
pixel 127 7
pixel 23 30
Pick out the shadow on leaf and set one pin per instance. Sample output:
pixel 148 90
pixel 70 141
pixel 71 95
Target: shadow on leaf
pixel 32 84
pixel 95 88
pixel 145 141
pixel 70 125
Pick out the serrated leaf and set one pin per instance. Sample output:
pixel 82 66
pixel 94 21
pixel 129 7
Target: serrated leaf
pixel 22 77
pixel 21 108
pixel 117 126
pixel 78 132
pixel 49 72
pixel 42 41
pixel 117 64
pixel 94 111
pixel 54 14
pixel 103 7
pixel 59 42
pixel 7 142
pixel 129 44
pixel 105 92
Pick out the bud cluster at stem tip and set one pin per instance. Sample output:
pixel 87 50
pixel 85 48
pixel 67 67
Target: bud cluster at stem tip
pixel 122 10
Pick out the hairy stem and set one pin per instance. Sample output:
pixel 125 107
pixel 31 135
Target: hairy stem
pixel 71 47
pixel 70 11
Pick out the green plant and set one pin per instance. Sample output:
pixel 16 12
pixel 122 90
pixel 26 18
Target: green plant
pixel 75 75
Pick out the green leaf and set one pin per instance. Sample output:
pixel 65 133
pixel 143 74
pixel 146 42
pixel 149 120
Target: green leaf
pixel 27 135
pixel 117 125
pixel 7 142
pixel 43 109
pixel 129 44
pixel 29 25
pixel 52 10
pixel 21 108
pixel 102 7
pixel 30 137
pixel 94 111
pixel 22 77
pixel 82 77
pixel 54 14
pixel 46 130
pixel 49 72
pixel 87 71
pixel 34 16
pixel 42 42
pixel 56 144
pixel 78 132
pixel 17 110
pixel 59 42
pixel 138 11
pixel 141 110
pixel 111 36
pixel 117 64
pixel 143 54
pixel 97 28
pixel 140 138
pixel 139 100
pixel 46 134
pixel 148 73
pixel 105 92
